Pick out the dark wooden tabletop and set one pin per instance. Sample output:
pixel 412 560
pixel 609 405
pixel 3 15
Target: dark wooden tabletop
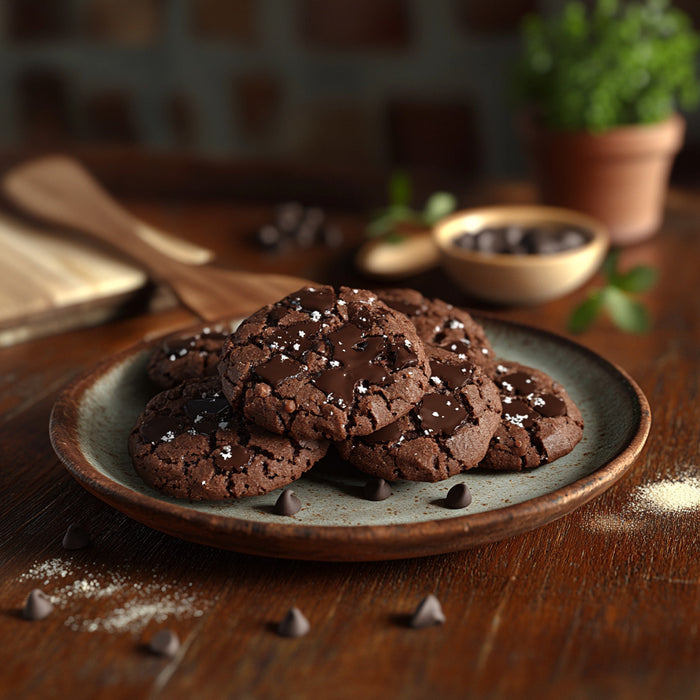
pixel 602 603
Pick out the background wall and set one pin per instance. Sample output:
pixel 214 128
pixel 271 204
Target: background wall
pixel 377 83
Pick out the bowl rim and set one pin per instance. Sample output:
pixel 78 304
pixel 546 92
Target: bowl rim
pixel 445 230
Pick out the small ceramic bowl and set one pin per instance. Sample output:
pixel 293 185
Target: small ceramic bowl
pixel 504 278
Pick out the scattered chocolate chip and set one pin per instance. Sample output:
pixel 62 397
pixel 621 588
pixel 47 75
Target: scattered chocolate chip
pixel 332 236
pixel 428 613
pixel 287 503
pixel 294 624
pixel 458 496
pixel 164 643
pixel 38 606
pixel 289 215
pixel 76 537
pixel 376 490
pixel 305 236
pixel 297 226
pixel 268 236
pixel 314 216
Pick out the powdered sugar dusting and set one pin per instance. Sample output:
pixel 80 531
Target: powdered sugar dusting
pixel 670 496
pixel 135 604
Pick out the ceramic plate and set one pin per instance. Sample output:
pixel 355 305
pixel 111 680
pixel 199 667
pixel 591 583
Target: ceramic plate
pixel 93 416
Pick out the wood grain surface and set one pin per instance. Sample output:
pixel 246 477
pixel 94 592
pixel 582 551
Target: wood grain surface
pixel 601 604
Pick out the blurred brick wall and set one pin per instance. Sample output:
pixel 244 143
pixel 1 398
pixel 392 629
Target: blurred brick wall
pixel 419 83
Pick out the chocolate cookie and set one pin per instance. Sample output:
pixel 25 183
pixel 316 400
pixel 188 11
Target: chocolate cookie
pixel 189 444
pixel 190 357
pixel 540 421
pixel 442 324
pixel 447 432
pixel 325 364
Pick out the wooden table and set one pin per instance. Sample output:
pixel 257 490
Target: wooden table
pixel 602 603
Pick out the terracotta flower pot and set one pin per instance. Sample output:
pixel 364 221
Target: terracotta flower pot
pixel 619 176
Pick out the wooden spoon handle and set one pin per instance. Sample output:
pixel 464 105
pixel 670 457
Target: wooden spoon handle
pixel 183 250
pixel 60 191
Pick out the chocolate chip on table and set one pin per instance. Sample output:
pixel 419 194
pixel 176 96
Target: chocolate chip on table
pixel 428 613
pixel 458 496
pixel 164 643
pixel 305 235
pixel 314 217
pixel 331 236
pixel 297 226
pixel 38 606
pixel 287 503
pixel 294 624
pixel 376 490
pixel 269 236
pixel 76 537
pixel 288 216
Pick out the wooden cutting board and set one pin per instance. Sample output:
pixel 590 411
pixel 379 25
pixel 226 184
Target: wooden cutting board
pixel 50 282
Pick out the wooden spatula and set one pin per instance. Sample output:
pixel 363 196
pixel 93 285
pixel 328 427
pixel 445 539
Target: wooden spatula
pixel 60 191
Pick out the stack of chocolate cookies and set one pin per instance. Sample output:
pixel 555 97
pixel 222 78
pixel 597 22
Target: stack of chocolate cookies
pixel 405 387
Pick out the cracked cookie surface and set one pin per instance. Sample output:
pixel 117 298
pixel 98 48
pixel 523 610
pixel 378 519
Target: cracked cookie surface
pixel 189 443
pixel 443 325
pixel 320 364
pixel 448 431
pixel 180 358
pixel 540 422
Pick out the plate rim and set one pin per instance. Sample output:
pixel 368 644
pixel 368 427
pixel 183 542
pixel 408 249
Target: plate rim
pixel 337 542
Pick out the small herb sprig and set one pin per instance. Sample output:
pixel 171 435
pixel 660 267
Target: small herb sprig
pixel 387 221
pixel 616 298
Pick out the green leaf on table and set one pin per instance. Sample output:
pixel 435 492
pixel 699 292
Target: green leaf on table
pixel 394 237
pixel 380 226
pixel 626 313
pixel 639 279
pixel 385 221
pixel 389 221
pixel 609 266
pixel 400 190
pixel 439 205
pixel 583 316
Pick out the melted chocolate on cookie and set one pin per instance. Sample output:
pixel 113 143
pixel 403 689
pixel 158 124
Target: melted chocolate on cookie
pixel 540 422
pixel 524 409
pixel 324 364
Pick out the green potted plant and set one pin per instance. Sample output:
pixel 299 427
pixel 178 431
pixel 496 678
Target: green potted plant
pixel 601 87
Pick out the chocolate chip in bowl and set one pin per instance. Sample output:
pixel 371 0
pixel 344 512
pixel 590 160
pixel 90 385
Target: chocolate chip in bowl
pixel 514 239
pixel 519 255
